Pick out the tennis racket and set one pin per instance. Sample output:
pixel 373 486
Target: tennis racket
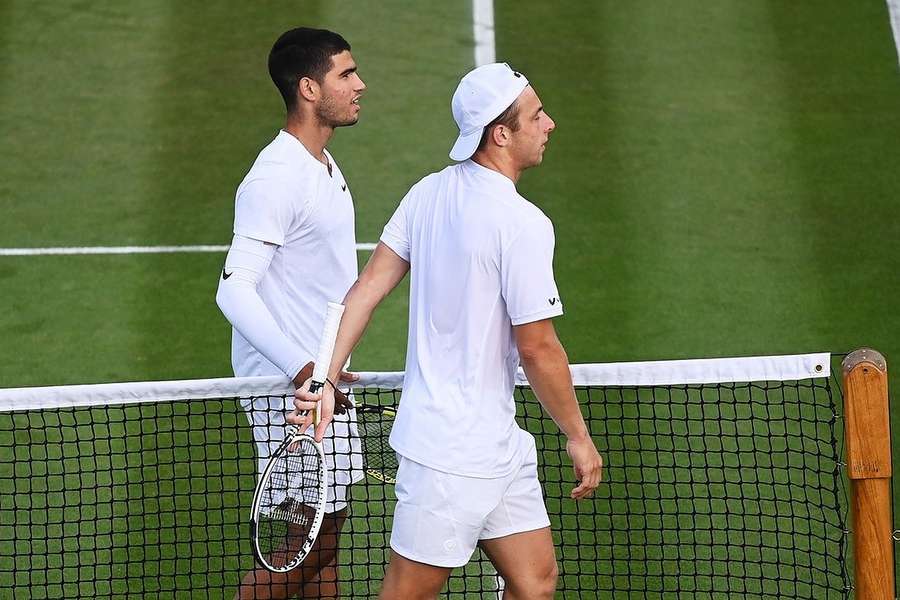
pixel 375 424
pixel 289 502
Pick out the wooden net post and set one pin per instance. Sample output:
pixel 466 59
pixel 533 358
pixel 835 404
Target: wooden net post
pixel 868 441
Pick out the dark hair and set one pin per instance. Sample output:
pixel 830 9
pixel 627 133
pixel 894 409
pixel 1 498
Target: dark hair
pixel 302 52
pixel 508 118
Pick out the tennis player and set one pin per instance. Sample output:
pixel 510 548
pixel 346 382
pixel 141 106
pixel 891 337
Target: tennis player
pixel 482 299
pixel 293 251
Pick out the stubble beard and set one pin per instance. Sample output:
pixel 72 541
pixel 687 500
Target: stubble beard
pixel 328 114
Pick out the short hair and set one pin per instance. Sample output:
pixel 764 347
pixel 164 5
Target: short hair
pixel 508 118
pixel 302 52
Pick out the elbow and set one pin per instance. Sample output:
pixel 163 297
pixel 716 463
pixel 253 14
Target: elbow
pixel 224 299
pixel 538 351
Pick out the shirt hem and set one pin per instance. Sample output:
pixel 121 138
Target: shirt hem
pixel 392 243
pixel 515 464
pixel 537 316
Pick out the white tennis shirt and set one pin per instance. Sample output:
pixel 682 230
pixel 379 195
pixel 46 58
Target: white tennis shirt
pixel 288 198
pixel 481 261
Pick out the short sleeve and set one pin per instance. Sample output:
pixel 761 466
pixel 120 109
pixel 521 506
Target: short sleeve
pixel 396 234
pixel 528 286
pixel 265 210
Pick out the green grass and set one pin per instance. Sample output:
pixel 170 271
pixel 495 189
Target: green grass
pixel 722 179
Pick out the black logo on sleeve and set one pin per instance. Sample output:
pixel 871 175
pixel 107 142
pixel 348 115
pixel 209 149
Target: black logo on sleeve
pixel 344 187
pixel 226 275
pixel 553 301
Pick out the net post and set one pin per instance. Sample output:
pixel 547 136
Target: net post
pixel 868 441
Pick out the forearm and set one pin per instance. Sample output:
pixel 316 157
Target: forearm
pixel 359 304
pixel 383 272
pixel 247 313
pixel 548 373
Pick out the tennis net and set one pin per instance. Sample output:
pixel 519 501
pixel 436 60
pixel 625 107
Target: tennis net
pixel 723 478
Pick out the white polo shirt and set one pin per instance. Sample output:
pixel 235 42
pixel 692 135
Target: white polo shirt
pixel 289 199
pixel 481 261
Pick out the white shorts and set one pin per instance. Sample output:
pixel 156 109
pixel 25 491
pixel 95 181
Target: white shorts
pixel 440 517
pixel 343 450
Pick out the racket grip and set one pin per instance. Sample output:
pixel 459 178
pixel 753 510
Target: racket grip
pixel 326 343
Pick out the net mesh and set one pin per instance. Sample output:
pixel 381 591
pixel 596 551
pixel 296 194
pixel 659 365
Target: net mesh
pixel 710 490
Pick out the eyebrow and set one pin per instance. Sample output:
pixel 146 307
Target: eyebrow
pixel 539 109
pixel 348 71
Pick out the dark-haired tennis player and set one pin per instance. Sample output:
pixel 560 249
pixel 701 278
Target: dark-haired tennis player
pixel 294 250
pixel 482 296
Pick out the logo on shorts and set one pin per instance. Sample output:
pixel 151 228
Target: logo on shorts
pixel 449 545
pixel 226 275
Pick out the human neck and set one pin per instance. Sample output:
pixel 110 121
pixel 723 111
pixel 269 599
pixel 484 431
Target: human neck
pixel 313 135
pixel 500 163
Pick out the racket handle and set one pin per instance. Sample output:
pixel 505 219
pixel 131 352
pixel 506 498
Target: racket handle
pixel 326 342
pixel 314 388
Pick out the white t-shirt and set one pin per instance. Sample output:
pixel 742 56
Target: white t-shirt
pixel 289 199
pixel 481 261
pixel 304 207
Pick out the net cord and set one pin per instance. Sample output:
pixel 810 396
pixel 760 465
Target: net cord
pixel 645 373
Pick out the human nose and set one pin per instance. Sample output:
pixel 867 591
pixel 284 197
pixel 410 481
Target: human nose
pixel 551 124
pixel 360 84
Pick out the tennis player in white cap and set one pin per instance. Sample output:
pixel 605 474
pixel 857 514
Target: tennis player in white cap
pixel 482 298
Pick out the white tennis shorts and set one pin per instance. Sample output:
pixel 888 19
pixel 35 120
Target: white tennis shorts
pixel 440 517
pixel 343 450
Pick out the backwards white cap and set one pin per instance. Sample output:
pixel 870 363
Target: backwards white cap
pixel 481 96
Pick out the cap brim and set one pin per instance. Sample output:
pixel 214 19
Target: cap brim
pixel 466 145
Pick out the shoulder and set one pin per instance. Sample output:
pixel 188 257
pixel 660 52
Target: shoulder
pixel 425 187
pixel 279 173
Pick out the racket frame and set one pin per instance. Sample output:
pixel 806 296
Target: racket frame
pixel 293 437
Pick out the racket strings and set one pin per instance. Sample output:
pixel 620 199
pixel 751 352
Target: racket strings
pixel 375 428
pixel 287 512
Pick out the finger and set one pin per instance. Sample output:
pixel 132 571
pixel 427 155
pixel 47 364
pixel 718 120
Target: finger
pixel 301 419
pixel 582 491
pixel 321 427
pixel 348 377
pixel 341 399
pixel 303 394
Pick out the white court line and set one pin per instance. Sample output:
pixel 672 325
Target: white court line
pixel 894 12
pixel 128 250
pixel 483 26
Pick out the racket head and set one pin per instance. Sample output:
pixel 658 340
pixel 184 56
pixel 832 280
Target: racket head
pixel 289 504
pixel 374 423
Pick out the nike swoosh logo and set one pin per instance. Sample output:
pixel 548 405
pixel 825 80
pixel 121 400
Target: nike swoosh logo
pixel 226 275
pixel 344 188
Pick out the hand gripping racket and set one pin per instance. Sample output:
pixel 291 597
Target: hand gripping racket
pixel 289 502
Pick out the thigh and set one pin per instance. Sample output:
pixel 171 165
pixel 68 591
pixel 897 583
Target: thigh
pixel 526 561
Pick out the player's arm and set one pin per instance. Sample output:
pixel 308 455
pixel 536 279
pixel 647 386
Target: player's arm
pixel 382 273
pixel 546 365
pixel 247 262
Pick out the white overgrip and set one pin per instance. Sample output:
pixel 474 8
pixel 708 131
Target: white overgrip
pixel 326 348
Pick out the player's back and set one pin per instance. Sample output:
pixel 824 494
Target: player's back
pixel 460 229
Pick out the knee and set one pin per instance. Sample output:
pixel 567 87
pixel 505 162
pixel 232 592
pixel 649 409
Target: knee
pixel 538 583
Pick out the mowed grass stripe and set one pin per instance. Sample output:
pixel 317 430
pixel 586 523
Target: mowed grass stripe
pixel 843 88
pixel 72 110
pixel 667 180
